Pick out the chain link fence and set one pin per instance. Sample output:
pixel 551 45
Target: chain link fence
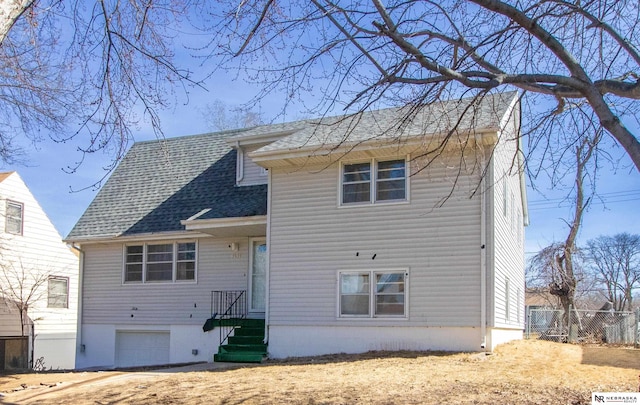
pixel 584 326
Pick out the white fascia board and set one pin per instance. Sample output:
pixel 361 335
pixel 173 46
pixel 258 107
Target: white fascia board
pixel 238 141
pixel 489 136
pixel 224 222
pixel 151 236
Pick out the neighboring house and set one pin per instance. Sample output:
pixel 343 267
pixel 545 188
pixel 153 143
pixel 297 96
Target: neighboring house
pixel 342 244
pixel 39 273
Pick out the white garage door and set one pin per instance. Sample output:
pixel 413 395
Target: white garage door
pixel 142 348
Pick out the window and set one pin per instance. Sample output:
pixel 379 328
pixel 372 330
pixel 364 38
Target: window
pixel 507 300
pixel 373 294
pixel 58 292
pixel 186 269
pixel 386 182
pixel 504 194
pixel 14 218
pixel 160 262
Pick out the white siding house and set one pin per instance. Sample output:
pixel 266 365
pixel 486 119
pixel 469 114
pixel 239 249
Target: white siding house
pixel 345 234
pixel 39 270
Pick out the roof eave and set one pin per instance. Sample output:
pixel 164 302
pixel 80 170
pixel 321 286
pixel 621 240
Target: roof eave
pixel 149 236
pixel 488 134
pixel 229 227
pixel 244 140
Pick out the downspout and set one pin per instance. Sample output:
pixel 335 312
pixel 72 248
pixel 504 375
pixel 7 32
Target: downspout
pixel 79 345
pixel 483 245
pixel 268 269
pixel 239 164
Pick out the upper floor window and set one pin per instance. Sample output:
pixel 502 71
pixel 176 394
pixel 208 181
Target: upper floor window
pixel 58 292
pixel 14 218
pixel 158 262
pixel 374 181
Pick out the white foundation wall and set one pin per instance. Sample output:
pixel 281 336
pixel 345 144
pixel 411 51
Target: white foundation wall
pixel 56 350
pixel 296 341
pixel 99 348
pixel 499 336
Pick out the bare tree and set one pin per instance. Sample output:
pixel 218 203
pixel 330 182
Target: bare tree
pixel 557 264
pixel 21 287
pixel 558 52
pixel 615 260
pixel 87 72
pixel 116 64
pixel 220 116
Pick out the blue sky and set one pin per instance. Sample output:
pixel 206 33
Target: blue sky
pixel 44 175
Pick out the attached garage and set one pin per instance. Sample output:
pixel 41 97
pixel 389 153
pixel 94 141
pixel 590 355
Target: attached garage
pixel 141 348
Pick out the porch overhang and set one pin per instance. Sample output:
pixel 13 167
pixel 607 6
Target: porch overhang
pixel 228 227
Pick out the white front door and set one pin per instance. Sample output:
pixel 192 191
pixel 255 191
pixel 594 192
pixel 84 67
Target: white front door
pixel 258 275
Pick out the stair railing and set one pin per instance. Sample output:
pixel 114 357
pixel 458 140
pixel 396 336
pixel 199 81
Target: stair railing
pixel 230 307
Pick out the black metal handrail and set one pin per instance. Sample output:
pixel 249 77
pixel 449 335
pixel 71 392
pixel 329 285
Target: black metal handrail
pixel 230 308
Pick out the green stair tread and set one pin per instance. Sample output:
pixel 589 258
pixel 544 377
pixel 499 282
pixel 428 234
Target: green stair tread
pixel 248 332
pixel 245 340
pixel 239 357
pixel 256 323
pixel 246 345
pixel 231 348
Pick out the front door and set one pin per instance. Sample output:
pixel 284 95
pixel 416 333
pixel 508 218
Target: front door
pixel 258 275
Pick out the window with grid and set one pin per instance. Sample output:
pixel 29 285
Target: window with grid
pixel 160 262
pixel 373 294
pixel 186 263
pixel 374 181
pixel 58 292
pixel 14 218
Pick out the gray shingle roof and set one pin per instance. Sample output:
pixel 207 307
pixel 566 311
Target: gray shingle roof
pixel 392 124
pixel 160 183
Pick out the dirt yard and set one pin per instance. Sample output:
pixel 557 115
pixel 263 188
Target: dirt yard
pixel 523 372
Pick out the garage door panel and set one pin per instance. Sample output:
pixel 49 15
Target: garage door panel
pixel 141 348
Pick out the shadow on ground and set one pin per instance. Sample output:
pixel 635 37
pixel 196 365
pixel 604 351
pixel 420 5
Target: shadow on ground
pixel 611 356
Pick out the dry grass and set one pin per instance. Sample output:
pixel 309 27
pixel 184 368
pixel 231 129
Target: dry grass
pixel 523 372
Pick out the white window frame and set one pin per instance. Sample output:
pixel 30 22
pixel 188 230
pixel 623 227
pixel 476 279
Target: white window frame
pixel 66 294
pixel 373 182
pixel 175 260
pixel 7 217
pixel 372 294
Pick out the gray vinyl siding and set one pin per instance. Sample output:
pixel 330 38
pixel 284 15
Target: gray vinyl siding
pixel 252 172
pixel 312 239
pixel 508 240
pixel 106 300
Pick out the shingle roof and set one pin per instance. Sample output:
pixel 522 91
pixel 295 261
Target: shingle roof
pixel 392 124
pixel 160 183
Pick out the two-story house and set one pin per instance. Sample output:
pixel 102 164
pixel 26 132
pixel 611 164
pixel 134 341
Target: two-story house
pixel 38 284
pixel 396 229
